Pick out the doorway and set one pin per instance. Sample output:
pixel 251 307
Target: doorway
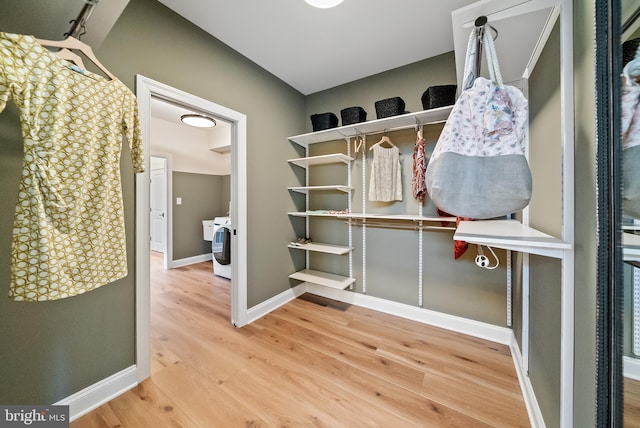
pixel 158 202
pixel 146 89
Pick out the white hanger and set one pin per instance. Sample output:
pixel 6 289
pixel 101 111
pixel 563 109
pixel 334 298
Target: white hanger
pixel 383 140
pixel 73 43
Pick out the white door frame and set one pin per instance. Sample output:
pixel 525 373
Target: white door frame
pixel 145 89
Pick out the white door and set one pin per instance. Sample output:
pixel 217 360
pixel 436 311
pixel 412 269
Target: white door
pixel 158 210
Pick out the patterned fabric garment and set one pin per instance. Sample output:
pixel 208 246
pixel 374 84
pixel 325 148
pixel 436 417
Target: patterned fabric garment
pixel 419 167
pixel 68 234
pixel 385 184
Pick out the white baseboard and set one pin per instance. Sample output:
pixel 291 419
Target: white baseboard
pixel 631 368
pixel 94 396
pixel 450 322
pixel 190 260
pixel 528 394
pixel 262 309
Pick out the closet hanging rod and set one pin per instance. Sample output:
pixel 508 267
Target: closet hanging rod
pixel 360 133
pixel 413 226
pixel 78 24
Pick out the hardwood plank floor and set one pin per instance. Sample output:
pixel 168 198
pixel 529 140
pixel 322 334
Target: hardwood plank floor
pixel 313 362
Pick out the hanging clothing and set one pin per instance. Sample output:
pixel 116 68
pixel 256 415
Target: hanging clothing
pixel 68 233
pixel 419 168
pixel 385 184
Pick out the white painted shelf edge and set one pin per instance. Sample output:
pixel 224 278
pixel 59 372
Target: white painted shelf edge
pixel 510 235
pixel 306 189
pixel 323 248
pixel 321 160
pixel 310 214
pixel 322 278
pixel 403 121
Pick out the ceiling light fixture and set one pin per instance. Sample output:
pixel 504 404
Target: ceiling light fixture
pixel 198 120
pixel 324 4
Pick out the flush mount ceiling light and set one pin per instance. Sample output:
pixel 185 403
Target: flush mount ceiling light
pixel 324 4
pixel 198 120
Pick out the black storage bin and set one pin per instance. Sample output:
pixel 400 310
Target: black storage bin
pixel 352 115
pixel 389 107
pixel 322 121
pixel 439 96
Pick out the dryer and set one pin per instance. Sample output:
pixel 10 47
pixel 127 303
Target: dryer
pixel 221 247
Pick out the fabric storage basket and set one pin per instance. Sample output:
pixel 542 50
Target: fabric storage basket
pixel 322 121
pixel 389 107
pixel 352 115
pixel 439 96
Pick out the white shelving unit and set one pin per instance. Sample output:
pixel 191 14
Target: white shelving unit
pixel 405 121
pixel 511 235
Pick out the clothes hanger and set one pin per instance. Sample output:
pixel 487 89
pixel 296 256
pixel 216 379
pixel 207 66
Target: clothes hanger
pixel 70 56
pixel 383 140
pixel 75 44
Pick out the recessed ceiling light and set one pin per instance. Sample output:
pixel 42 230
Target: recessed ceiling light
pixel 324 4
pixel 198 120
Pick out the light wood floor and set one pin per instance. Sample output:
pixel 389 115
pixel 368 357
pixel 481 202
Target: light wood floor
pixel 312 362
pixel 631 403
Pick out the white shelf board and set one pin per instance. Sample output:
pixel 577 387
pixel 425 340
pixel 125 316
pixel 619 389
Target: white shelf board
pixel 321 160
pixel 403 121
pixel 510 235
pixel 310 214
pixel 322 278
pixel 323 248
pixel 630 247
pixel 407 217
pixel 306 189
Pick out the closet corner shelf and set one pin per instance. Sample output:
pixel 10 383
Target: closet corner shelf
pixel 321 160
pixel 306 189
pixel 631 247
pixel 322 278
pixel 323 248
pixel 510 235
pixel 403 121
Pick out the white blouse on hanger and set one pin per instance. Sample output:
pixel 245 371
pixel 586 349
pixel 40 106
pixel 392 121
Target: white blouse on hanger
pixel 385 184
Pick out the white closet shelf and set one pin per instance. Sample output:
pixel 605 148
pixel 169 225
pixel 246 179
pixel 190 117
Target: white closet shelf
pixel 403 121
pixel 311 214
pixel 631 247
pixel 407 217
pixel 510 235
pixel 321 160
pixel 306 189
pixel 322 278
pixel 323 248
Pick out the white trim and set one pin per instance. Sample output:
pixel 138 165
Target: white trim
pixel 145 89
pixel 528 394
pixel 450 322
pixel 631 368
pixel 258 311
pixel 94 396
pixel 191 260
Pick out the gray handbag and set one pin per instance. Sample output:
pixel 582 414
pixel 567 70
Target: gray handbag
pixel 478 168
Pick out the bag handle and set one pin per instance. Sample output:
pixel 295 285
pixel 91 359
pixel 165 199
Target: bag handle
pixel 490 52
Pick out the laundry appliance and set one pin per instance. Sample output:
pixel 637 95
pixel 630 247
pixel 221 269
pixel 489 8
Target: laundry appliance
pixel 221 247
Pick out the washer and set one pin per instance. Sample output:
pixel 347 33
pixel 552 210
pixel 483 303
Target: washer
pixel 221 247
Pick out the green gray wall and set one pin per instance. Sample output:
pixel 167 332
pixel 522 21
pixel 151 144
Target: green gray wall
pixel 585 218
pixel 545 214
pixel 203 198
pixel 54 349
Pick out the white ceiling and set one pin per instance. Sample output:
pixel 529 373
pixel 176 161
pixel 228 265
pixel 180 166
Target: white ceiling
pixel 315 49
